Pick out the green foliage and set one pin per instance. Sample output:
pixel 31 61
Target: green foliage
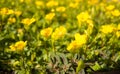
pixel 59 36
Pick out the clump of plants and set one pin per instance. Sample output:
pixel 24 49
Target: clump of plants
pixel 59 36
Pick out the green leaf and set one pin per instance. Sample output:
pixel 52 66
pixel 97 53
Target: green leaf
pixel 80 66
pixel 20 72
pixel 33 56
pixel 96 67
pixel 117 57
pixel 64 59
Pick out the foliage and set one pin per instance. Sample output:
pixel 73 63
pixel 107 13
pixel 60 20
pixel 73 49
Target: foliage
pixel 59 36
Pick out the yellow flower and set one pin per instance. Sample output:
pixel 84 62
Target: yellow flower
pixel 118 27
pixel 59 32
pixel 83 16
pixel 73 5
pixel 17 13
pixel 20 30
pixel 92 2
pixel 107 29
pixel 52 3
pixel 39 3
pixel 77 43
pixel 20 33
pixel 46 32
pixel 73 47
pixel 110 7
pixel 21 1
pixel 10 11
pixel 6 11
pixel 20 45
pixel 52 10
pixel 81 39
pixel 115 0
pixel 60 9
pixel 90 26
pixel 12 47
pixel 118 34
pixel 118 31
pixel 49 16
pixel 28 21
pixel 116 12
pixel 90 23
pixel 3 11
pixel 11 20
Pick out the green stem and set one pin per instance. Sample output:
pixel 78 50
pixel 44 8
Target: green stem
pixel 47 51
pixel 53 48
pixel 23 63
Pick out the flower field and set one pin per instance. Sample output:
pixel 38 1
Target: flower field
pixel 59 36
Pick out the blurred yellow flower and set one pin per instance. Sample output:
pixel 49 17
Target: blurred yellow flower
pixel 118 31
pixel 60 9
pixel 92 2
pixel 83 16
pixel 115 0
pixel 73 5
pixel 28 21
pixel 73 47
pixel 77 43
pixel 17 13
pixel 3 11
pixel 116 12
pixel 12 47
pixel 118 34
pixel 10 11
pixel 107 29
pixel 81 39
pixel 21 1
pixel 52 3
pixel 6 11
pixel 11 20
pixel 90 26
pixel 59 33
pixel 110 7
pixel 118 27
pixel 52 10
pixel 46 32
pixel 19 46
pixel 49 16
pixel 39 3
pixel 90 23
pixel 20 32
